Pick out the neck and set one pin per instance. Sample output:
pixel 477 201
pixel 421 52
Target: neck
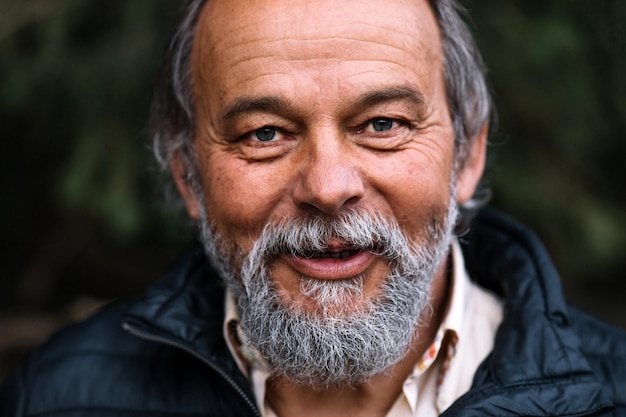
pixel 377 395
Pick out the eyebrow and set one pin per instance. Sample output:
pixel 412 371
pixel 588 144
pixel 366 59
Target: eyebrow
pixel 277 105
pixel 247 105
pixel 377 97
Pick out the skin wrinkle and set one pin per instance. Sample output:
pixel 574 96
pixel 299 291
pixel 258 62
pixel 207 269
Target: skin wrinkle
pixel 273 72
pixel 265 42
pixel 311 40
pixel 318 36
pixel 307 42
pixel 311 61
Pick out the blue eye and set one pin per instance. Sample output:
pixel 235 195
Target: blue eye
pixel 382 124
pixel 265 134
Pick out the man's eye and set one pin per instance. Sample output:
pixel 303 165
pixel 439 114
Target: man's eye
pixel 265 133
pixel 382 124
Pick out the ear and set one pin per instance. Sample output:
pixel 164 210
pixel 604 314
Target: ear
pixel 472 171
pixel 179 171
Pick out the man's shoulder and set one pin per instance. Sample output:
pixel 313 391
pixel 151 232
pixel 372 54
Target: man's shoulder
pixel 171 361
pixel 101 334
pixel 598 336
pixel 98 368
pixel 604 346
pixel 85 347
pixel 94 364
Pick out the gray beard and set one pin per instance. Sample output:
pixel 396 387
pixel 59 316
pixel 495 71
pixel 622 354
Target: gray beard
pixel 347 339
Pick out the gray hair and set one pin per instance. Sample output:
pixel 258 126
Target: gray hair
pixel 469 102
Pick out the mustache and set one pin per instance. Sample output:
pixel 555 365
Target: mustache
pixel 351 230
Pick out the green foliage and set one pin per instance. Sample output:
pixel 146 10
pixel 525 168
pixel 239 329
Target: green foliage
pixel 82 195
pixel 75 93
pixel 557 70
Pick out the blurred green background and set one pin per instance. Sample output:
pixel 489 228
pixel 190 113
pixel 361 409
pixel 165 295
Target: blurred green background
pixel 82 214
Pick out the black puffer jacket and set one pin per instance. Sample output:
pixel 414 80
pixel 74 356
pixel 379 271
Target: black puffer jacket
pixel 169 359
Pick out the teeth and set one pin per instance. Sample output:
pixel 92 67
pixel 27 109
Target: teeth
pixel 344 254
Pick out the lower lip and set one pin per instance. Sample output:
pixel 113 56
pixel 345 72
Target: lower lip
pixel 329 268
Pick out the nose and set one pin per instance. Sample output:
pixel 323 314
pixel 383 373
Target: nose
pixel 329 179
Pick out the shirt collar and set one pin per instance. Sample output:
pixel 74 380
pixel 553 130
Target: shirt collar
pixel 443 347
pixel 234 337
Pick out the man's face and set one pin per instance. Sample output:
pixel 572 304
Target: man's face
pixel 315 108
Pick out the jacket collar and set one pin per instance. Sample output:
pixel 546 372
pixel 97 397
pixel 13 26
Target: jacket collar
pixel 185 308
pixel 536 361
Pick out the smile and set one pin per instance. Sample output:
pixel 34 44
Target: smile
pixel 344 254
pixel 332 264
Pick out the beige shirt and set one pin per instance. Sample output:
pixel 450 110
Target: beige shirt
pixel 446 369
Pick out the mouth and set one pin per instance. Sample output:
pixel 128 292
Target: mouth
pixel 342 254
pixel 336 261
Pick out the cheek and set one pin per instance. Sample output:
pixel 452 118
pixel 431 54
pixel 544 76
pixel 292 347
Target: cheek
pixel 413 190
pixel 240 197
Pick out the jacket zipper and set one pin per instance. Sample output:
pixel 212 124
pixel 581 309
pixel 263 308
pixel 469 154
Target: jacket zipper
pixel 160 339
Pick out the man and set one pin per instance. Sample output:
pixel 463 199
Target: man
pixel 329 149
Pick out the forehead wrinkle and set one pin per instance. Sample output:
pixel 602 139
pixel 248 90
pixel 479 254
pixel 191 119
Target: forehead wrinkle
pixel 360 49
pixel 238 41
pixel 272 20
pixel 298 23
pixel 309 53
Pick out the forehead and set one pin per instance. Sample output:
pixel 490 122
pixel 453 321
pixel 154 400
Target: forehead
pixel 245 20
pixel 239 40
